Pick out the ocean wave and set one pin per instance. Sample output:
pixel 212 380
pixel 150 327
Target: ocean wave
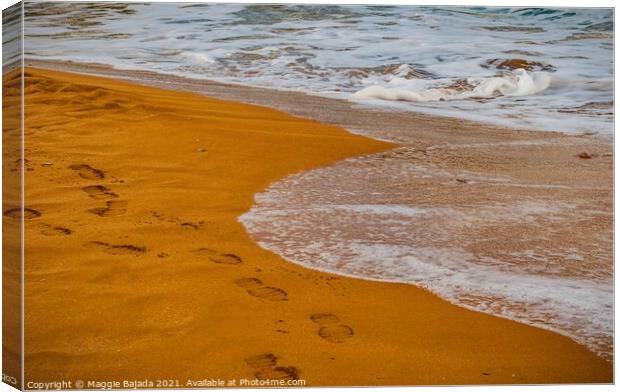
pixel 359 52
pixel 516 83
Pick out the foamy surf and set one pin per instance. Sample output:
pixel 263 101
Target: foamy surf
pixel 512 84
pixel 459 62
pixel 480 242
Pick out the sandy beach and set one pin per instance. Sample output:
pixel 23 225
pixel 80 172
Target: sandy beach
pixel 11 229
pixel 138 268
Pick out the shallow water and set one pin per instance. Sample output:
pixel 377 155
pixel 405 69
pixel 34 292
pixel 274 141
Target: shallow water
pixel 528 255
pixel 432 59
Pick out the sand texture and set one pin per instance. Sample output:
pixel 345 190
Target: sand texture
pixel 136 265
pixel 11 226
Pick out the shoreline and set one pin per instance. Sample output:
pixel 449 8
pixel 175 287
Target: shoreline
pixel 431 133
pixel 518 333
pixel 313 107
pixel 260 223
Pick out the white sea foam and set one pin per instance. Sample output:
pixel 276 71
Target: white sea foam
pixel 198 58
pixel 365 217
pixel 515 84
pixel 407 58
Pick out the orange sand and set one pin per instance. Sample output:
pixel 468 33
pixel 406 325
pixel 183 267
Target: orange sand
pixel 138 269
pixel 11 228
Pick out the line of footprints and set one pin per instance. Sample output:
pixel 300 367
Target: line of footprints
pixel 331 329
pixel 113 207
pixel 265 366
pixel 329 324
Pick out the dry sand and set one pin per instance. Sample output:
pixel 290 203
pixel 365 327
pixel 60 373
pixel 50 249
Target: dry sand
pixel 11 228
pixel 137 268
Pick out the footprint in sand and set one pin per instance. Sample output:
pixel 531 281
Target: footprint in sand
pixel 331 328
pixel 324 318
pixel 255 288
pixel 218 258
pixel 336 333
pixel 53 231
pixel 99 192
pixel 262 361
pixel 269 293
pixel 16 213
pixel 87 172
pixel 248 283
pixel 171 219
pixel 112 208
pixel 119 249
pixel 265 368
pixel 190 225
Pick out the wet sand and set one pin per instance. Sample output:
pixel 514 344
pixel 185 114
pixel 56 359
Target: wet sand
pixel 137 267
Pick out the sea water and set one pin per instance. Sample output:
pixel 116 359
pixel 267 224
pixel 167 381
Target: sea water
pixel 442 60
pixel 520 255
